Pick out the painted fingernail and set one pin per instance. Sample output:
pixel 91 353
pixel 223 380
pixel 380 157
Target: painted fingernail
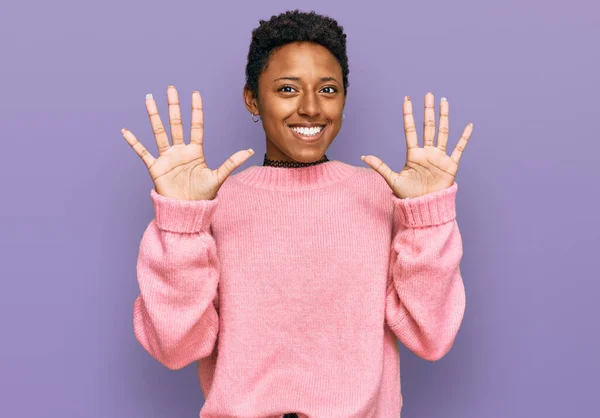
pixel 443 99
pixel 148 96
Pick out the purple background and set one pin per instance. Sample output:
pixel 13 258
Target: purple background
pixel 76 201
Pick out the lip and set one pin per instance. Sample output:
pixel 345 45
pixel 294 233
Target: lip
pixel 307 125
pixel 308 139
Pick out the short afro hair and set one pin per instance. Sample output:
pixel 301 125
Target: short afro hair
pixel 294 26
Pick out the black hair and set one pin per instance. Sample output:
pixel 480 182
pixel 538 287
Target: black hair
pixel 294 26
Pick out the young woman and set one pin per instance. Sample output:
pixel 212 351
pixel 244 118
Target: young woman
pixel 289 282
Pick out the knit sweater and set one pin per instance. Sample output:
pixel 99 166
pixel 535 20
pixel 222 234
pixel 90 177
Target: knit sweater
pixel 290 288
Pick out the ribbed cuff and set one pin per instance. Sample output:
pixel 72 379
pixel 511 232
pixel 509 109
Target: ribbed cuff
pixel 431 209
pixel 183 216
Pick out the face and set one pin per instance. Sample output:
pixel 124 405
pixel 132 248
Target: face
pixel 300 101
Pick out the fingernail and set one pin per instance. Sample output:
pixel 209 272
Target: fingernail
pixel 123 130
pixel 251 150
pixel 362 157
pixel 171 87
pixel 443 99
pixel 148 96
pixel 406 98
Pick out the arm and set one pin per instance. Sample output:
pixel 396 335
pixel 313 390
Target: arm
pixel 175 317
pixel 425 300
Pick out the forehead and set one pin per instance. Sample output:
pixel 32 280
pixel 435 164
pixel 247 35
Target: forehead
pixel 303 58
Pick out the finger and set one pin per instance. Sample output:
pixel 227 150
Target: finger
pixel 232 163
pixel 175 116
pixel 409 124
pixel 382 168
pixel 442 141
pixel 162 140
pixel 429 120
pixel 197 129
pixel 462 143
pixel 137 146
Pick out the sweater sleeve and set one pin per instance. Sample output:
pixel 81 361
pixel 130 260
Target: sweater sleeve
pixel 175 316
pixel 425 299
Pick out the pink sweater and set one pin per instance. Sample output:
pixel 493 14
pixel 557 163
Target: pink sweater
pixel 290 288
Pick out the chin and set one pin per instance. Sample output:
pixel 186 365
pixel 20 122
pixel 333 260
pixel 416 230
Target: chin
pixel 308 155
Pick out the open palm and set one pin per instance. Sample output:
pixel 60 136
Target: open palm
pixel 180 171
pixel 428 169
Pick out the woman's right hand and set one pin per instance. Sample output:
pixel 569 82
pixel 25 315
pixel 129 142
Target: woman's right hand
pixel 180 171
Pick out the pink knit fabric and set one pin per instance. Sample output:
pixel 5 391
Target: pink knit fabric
pixel 290 287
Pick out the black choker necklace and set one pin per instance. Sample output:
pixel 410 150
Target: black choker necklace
pixel 292 164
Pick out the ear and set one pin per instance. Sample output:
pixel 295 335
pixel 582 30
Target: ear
pixel 250 100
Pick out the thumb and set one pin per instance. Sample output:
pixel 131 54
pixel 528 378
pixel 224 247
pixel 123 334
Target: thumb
pixel 382 168
pixel 232 163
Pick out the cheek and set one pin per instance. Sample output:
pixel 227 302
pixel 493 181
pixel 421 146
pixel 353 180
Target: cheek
pixel 336 118
pixel 279 109
pixel 334 109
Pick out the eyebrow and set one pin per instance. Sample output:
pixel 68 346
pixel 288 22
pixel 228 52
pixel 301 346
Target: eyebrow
pixel 323 79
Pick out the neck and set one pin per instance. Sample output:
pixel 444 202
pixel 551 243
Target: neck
pixel 292 164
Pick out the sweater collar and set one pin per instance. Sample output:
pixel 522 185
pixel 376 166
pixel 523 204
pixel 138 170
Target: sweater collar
pixel 297 178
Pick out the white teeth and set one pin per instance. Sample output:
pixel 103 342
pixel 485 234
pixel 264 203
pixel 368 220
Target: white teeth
pixel 307 131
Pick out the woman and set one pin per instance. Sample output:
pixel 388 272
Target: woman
pixel 289 282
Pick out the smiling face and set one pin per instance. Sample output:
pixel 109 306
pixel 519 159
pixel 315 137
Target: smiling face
pixel 300 100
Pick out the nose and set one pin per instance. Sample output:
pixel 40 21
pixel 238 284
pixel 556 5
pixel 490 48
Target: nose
pixel 309 105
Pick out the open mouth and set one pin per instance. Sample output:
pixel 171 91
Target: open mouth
pixel 308 134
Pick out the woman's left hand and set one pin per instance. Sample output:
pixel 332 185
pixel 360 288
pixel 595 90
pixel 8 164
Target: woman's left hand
pixel 427 169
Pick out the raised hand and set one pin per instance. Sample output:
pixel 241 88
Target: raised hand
pixel 180 171
pixel 428 169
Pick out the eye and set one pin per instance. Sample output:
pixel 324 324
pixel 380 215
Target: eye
pixel 333 89
pixel 286 87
